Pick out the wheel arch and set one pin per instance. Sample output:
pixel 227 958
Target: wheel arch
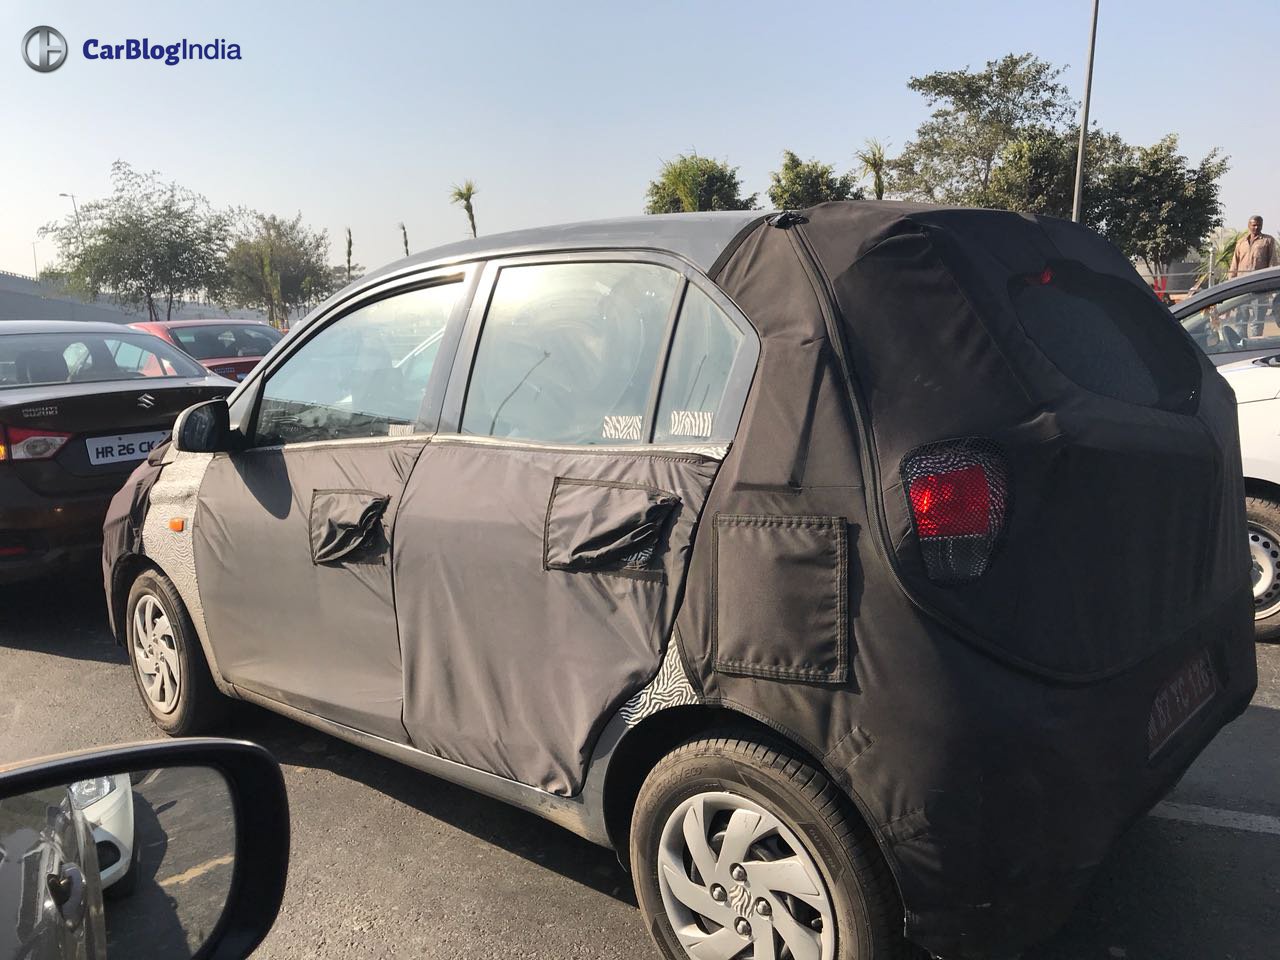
pixel 1262 489
pixel 644 744
pixel 123 574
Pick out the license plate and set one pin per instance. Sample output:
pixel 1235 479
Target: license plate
pixel 1185 695
pixel 128 446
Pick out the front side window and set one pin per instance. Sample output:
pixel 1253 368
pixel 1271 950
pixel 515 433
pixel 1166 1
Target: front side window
pixel 1250 321
pixel 702 355
pixel 42 358
pixel 568 352
pixel 364 375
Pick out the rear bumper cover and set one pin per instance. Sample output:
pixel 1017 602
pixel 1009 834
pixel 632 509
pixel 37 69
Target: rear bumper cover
pixel 999 862
pixel 54 531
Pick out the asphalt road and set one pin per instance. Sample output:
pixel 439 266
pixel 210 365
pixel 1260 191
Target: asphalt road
pixel 184 827
pixel 388 862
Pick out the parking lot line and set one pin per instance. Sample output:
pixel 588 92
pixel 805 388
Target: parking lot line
pixel 1214 817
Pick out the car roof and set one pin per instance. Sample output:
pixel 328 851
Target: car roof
pixel 63 326
pixel 1222 290
pixel 697 237
pixel 203 322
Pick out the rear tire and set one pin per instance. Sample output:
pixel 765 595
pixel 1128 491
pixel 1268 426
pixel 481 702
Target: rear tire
pixel 1263 517
pixel 168 663
pixel 760 806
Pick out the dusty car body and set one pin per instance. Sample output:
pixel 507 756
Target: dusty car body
pixel 892 539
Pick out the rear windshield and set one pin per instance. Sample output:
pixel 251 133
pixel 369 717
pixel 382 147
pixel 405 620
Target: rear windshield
pixel 39 358
pixel 220 340
pixel 1107 336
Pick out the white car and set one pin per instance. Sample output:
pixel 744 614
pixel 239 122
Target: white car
pixel 1257 386
pixel 107 804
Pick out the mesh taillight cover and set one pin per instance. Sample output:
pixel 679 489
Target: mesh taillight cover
pixel 958 495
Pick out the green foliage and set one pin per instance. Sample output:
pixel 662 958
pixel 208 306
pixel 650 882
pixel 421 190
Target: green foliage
pixel 976 115
pixel 1156 206
pixel 460 194
pixel 150 245
pixel 1036 173
pixel 804 183
pixel 875 164
pixel 690 183
pixel 279 266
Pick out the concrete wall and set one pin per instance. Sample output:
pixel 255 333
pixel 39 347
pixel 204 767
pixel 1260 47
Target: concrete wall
pixel 25 298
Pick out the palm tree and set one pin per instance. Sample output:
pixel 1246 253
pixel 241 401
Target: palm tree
pixel 874 165
pixel 463 194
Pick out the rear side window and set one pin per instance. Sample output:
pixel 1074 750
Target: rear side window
pixel 1107 336
pixel 703 352
pixel 218 341
pixel 568 352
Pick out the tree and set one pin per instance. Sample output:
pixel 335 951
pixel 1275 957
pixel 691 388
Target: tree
pixel 977 115
pixel 463 194
pixel 1157 206
pixel 279 266
pixel 404 238
pixel 690 183
pixel 1036 173
pixel 348 254
pixel 804 183
pixel 150 246
pixel 875 164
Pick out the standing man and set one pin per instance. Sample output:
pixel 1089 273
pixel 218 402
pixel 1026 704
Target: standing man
pixel 1254 251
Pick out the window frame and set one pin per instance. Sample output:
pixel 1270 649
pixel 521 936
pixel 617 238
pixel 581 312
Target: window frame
pixel 246 403
pixel 741 374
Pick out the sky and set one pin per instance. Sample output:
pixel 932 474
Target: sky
pixel 365 114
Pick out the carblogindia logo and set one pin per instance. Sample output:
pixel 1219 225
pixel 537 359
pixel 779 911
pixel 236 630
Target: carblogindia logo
pixel 44 49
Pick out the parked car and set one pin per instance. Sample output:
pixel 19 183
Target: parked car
pixel 1236 323
pixel 107 804
pixel 1236 320
pixel 50 889
pixel 804 559
pixel 80 405
pixel 230 348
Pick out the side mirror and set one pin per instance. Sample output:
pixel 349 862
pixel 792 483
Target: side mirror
pixel 173 849
pixel 203 428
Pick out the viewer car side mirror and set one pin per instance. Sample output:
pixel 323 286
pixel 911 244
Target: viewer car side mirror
pixel 172 849
pixel 203 428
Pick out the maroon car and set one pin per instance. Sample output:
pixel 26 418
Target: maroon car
pixel 230 348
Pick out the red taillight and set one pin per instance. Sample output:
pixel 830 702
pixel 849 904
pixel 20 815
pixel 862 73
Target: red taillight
pixel 958 491
pixel 955 504
pixel 25 443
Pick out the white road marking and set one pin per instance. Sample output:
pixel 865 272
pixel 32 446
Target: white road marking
pixel 1214 817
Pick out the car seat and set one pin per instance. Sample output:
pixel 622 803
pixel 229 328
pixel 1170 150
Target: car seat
pixel 41 366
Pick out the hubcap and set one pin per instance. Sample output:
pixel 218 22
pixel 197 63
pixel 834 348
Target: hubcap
pixel 737 883
pixel 155 654
pixel 1264 551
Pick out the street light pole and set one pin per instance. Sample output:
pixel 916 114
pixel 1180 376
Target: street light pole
pixel 1084 118
pixel 79 228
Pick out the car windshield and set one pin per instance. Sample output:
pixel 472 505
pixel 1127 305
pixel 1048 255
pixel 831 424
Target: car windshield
pixel 219 340
pixel 71 357
pixel 1248 321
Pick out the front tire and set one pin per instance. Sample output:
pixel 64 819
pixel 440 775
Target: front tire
pixel 168 663
pixel 745 850
pixel 1263 518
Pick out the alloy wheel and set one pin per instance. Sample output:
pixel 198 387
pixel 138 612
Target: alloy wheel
pixel 155 654
pixel 738 884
